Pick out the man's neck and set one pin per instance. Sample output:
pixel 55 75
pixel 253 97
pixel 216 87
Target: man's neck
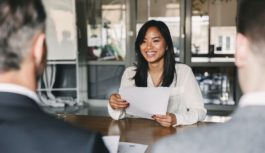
pixel 24 79
pixel 256 86
pixel 255 81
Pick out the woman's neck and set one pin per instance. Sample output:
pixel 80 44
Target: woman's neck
pixel 156 73
pixel 156 67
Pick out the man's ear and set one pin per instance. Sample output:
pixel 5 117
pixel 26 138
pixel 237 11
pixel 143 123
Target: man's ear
pixel 39 48
pixel 241 50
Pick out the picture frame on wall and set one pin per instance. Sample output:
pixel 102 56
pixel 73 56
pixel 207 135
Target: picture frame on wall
pixel 223 39
pixel 61 31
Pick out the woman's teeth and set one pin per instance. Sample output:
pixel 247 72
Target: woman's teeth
pixel 150 53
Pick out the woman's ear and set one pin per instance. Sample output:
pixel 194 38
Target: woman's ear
pixel 242 46
pixel 39 48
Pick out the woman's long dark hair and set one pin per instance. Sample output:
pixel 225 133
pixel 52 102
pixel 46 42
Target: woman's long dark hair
pixel 169 57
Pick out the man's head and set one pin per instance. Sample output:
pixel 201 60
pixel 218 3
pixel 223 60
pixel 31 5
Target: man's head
pixel 22 39
pixel 250 54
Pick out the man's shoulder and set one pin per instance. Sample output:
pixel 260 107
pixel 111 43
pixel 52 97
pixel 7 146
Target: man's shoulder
pixel 232 136
pixel 75 137
pixel 50 123
pixel 202 139
pixel 56 134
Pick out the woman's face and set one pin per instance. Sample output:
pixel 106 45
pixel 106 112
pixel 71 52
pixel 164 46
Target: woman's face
pixel 153 46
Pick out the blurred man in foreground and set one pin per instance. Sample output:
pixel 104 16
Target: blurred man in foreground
pixel 24 128
pixel 245 132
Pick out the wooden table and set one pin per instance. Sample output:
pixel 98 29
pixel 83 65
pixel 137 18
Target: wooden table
pixel 135 130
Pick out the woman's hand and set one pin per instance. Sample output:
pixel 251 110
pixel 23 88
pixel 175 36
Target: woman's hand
pixel 167 120
pixel 116 102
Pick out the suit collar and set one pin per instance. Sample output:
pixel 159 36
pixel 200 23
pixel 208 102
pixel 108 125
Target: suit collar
pixel 14 99
pixel 14 88
pixel 16 106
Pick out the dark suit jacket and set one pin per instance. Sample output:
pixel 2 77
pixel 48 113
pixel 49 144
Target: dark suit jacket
pixel 244 133
pixel 25 128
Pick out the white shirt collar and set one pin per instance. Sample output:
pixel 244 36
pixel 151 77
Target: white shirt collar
pixel 13 88
pixel 250 99
pixel 150 82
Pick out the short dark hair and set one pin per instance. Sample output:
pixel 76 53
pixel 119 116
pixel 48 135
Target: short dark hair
pixel 20 20
pixel 169 57
pixel 251 23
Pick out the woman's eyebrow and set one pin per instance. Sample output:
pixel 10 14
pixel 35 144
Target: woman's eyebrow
pixel 156 37
pixel 152 37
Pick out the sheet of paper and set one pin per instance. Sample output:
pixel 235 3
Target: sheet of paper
pixel 145 102
pixel 126 147
pixel 112 143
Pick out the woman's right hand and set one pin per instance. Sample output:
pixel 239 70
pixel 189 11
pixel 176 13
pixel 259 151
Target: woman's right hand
pixel 116 102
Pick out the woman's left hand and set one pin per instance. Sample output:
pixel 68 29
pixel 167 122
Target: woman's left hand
pixel 166 120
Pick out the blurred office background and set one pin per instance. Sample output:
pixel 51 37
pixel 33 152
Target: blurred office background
pixel 91 42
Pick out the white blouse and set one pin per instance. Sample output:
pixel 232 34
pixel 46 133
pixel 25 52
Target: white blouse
pixel 185 99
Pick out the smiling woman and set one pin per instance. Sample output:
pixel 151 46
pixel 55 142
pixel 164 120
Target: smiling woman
pixel 153 46
pixel 156 67
pixel 161 47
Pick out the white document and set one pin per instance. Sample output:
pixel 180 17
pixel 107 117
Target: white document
pixel 125 147
pixel 112 143
pixel 145 102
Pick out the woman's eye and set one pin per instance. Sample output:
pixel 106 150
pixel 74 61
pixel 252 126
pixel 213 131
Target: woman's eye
pixel 144 41
pixel 156 40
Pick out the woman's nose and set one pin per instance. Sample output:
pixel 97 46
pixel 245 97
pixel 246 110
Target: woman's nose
pixel 149 46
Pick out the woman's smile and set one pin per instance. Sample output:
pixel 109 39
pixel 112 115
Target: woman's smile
pixel 150 54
